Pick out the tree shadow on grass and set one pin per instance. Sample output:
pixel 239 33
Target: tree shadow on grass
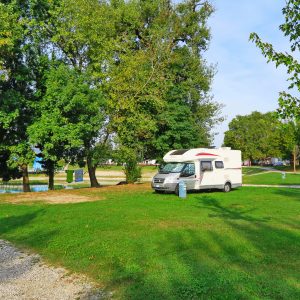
pixel 172 273
pixel 192 265
pixel 11 223
pixel 35 237
pixel 289 192
pixel 230 213
pixel 240 257
pixel 276 260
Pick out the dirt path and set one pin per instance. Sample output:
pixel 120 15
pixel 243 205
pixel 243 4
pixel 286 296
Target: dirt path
pixel 24 276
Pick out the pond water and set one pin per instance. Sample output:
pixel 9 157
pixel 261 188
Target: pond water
pixel 11 189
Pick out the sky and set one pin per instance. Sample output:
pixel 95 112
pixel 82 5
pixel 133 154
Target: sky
pixel 244 81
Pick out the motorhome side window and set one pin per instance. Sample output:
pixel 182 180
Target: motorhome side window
pixel 188 170
pixel 219 165
pixel 206 166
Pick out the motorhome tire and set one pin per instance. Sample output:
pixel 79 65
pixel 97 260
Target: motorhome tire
pixel 227 187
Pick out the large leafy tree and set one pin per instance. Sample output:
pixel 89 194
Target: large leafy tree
pixel 159 84
pixel 189 113
pixel 21 67
pixel 257 135
pixel 144 57
pixel 134 50
pixel 71 120
pixel 81 38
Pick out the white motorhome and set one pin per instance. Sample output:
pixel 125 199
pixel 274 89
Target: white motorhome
pixel 200 168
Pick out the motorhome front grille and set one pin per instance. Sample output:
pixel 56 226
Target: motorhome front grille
pixel 159 180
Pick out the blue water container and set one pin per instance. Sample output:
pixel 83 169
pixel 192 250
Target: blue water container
pixel 182 189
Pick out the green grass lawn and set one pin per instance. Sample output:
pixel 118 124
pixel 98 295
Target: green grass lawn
pixel 239 245
pixel 273 178
pixel 252 170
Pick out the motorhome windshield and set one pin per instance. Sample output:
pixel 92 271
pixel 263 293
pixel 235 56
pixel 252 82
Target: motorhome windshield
pixel 172 168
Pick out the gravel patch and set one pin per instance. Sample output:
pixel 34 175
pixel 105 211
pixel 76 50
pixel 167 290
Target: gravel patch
pixel 26 276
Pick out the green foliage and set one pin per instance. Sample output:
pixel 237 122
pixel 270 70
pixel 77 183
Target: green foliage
pixel 257 135
pixel 289 106
pixel 80 34
pixel 86 71
pixel 101 153
pixel 83 33
pixel 132 171
pixel 21 154
pixel 291 140
pixel 71 114
pixel 6 171
pixel 159 75
pixel 10 32
pixel 128 157
pixel 239 245
pixel 22 63
pixel 188 115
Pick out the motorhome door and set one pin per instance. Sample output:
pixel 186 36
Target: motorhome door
pixel 207 179
pixel 188 176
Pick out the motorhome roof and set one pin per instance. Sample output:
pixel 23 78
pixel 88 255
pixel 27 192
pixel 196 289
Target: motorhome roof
pixel 194 154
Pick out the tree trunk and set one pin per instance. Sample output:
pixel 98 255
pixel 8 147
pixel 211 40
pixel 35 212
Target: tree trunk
pixel 51 178
pixel 26 185
pixel 92 173
pixel 295 158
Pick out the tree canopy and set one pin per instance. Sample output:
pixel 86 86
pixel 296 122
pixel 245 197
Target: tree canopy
pixel 75 75
pixel 258 136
